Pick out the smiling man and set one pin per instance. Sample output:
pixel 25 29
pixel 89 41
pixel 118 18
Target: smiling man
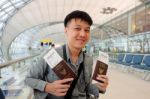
pixel 47 85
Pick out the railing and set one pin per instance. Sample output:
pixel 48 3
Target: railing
pixel 12 75
pixel 6 64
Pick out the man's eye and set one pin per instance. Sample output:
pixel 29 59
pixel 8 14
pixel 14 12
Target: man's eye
pixel 77 28
pixel 87 30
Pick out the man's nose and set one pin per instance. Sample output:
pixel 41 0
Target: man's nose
pixel 82 33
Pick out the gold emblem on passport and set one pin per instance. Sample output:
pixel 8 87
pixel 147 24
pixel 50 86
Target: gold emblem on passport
pixel 63 71
pixel 101 69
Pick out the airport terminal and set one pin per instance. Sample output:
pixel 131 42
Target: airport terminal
pixel 120 29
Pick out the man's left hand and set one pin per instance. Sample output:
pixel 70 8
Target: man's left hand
pixel 103 84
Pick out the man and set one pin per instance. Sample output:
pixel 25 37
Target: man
pixel 44 81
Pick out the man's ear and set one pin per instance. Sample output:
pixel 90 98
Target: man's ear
pixel 66 29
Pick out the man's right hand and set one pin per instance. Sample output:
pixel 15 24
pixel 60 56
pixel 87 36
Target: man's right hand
pixel 59 87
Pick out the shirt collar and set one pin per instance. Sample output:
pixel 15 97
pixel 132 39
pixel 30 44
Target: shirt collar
pixel 80 59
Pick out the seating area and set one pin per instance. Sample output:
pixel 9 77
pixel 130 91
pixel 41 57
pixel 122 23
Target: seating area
pixel 120 58
pixel 128 60
pixel 138 64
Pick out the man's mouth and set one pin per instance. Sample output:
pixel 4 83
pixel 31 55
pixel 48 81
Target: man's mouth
pixel 81 40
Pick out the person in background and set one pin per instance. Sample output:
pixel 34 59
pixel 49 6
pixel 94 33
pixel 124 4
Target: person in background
pixel 44 81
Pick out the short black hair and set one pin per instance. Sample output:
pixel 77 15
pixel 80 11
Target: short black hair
pixel 78 14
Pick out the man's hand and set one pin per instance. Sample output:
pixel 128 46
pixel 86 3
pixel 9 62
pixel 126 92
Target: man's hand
pixel 104 82
pixel 59 87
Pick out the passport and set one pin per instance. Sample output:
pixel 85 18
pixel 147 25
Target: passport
pixel 63 71
pixel 59 65
pixel 100 68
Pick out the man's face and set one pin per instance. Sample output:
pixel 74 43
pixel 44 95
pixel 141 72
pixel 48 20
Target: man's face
pixel 77 33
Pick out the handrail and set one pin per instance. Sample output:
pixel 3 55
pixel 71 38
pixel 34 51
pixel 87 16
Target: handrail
pixel 8 63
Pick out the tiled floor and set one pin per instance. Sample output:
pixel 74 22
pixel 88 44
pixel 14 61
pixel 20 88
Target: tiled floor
pixel 126 86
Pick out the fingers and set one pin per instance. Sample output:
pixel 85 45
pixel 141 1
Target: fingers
pixel 60 92
pixel 62 84
pixel 102 78
pixel 65 80
pixel 59 87
pixel 102 85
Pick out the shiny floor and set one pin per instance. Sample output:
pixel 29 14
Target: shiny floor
pixel 122 85
pixel 126 86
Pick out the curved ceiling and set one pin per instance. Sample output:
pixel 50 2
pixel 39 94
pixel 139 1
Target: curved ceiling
pixel 50 32
pixel 43 11
pixel 47 11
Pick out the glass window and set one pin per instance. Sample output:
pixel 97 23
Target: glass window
pixel 5 17
pixel 11 12
pixel 2 1
pixel 2 13
pixel 139 43
pixel 15 1
pixel 141 20
pixel 19 4
pixel 1 25
pixel 9 9
pixel 121 25
pixel 6 5
pixel 147 25
pixel 0 34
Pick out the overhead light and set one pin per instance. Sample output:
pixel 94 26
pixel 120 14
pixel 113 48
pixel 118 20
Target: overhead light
pixel 108 10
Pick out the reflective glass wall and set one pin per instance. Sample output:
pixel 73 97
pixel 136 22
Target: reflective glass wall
pixel 129 33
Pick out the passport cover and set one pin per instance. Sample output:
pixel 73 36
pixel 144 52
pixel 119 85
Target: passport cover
pixel 63 71
pixel 100 68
